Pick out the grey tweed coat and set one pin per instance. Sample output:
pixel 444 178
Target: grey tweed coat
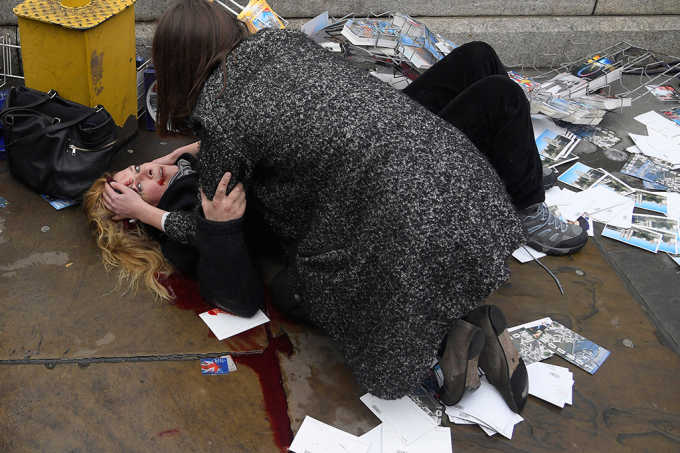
pixel 394 224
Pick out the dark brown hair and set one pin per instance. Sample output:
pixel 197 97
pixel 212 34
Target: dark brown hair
pixel 192 38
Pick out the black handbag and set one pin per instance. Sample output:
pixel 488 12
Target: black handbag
pixel 55 146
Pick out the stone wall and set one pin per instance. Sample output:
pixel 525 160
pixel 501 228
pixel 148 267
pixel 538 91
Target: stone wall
pixel 522 31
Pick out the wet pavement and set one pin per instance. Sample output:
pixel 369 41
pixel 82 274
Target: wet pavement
pixel 86 368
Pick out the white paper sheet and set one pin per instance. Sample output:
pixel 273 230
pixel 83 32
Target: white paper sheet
pixel 437 440
pixel 374 436
pixel 530 324
pixel 541 122
pixel 488 406
pixel 658 146
pixel 659 123
pixel 317 437
pixel 404 416
pixel 551 383
pixel 620 215
pixel 524 256
pixel 225 325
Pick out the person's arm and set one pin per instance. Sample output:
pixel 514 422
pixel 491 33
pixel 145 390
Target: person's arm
pixel 228 278
pixel 170 159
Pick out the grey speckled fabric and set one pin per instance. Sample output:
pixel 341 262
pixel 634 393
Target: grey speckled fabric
pixel 395 224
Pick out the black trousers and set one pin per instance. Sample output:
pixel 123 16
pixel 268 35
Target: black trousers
pixel 470 89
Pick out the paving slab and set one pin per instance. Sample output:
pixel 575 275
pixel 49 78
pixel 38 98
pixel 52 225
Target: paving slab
pixel 59 304
pixel 636 7
pixel 629 404
pixel 131 407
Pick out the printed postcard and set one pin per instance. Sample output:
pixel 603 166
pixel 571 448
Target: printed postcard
pixel 58 203
pixel 530 349
pixel 614 184
pixel 220 365
pixel 659 223
pixel 651 201
pixel 664 93
pixel 638 237
pixel 571 346
pixel 653 170
pixel 672 114
pixel 581 176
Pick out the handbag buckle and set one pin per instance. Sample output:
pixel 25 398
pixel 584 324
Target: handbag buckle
pixel 52 93
pixel 9 119
pixel 98 108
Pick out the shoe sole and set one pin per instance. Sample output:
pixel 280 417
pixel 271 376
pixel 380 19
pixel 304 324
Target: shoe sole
pixel 500 360
pixel 452 392
pixel 554 251
pixel 518 383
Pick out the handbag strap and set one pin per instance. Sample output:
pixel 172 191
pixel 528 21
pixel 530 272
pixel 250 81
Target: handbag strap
pixel 55 127
pixel 49 95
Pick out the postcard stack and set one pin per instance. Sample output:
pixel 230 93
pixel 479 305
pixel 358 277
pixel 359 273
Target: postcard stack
pixel 393 47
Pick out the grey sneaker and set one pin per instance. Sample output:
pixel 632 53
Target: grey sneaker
pixel 549 177
pixel 549 234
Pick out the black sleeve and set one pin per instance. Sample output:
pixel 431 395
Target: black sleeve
pixel 227 277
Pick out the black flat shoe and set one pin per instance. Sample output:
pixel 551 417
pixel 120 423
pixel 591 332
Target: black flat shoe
pixel 500 361
pixel 464 344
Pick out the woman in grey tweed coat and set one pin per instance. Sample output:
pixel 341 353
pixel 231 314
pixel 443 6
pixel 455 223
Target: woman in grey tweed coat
pixel 395 226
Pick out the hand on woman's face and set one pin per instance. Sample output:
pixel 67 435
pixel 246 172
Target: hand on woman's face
pixel 150 179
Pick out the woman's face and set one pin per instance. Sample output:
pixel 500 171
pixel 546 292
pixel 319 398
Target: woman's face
pixel 150 179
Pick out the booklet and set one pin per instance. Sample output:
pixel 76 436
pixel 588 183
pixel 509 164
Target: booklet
pixel 59 203
pixel 664 93
pixel 571 346
pixel 527 84
pixel 598 136
pixel 565 85
pixel 598 71
pixel 605 101
pixel 672 114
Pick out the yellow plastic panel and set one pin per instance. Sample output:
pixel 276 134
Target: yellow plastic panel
pixel 81 18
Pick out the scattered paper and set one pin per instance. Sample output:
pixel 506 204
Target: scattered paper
pixel 437 440
pixel 571 346
pixel 220 365
pixel 581 176
pixel 58 203
pixel 225 325
pixel 374 436
pixel 317 437
pixel 659 123
pixel 408 421
pixel 525 254
pixel 638 237
pixel 551 383
pixel 487 408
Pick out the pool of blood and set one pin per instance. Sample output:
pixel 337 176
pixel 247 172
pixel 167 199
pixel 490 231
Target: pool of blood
pixel 265 365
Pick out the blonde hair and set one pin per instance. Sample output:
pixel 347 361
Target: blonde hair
pixel 131 250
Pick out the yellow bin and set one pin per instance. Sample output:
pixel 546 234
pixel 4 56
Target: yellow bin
pixel 84 49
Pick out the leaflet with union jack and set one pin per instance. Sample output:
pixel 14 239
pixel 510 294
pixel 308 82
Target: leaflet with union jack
pixel 220 365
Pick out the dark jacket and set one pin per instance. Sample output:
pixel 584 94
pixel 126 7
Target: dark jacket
pixel 394 224
pixel 218 256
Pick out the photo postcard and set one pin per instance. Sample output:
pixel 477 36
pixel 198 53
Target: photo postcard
pixel 581 176
pixel 638 237
pixel 571 346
